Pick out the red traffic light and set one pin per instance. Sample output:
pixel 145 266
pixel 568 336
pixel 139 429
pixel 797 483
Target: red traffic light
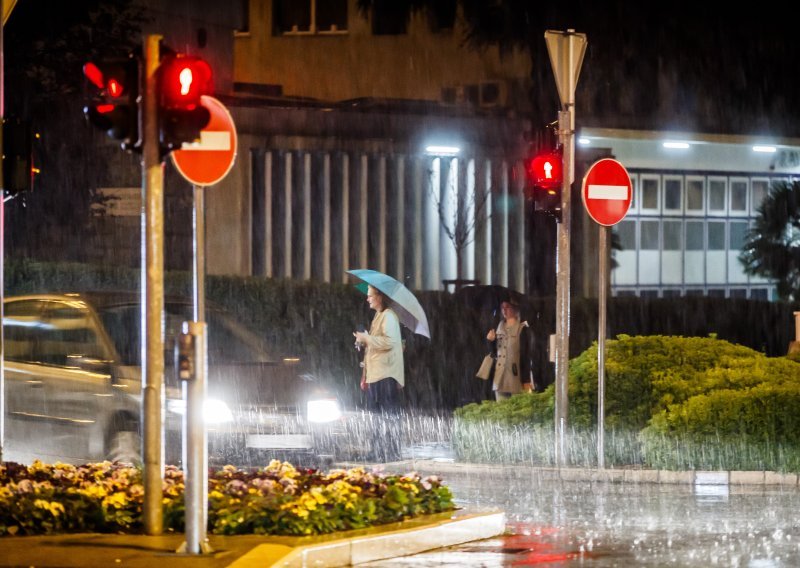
pixel 183 79
pixel 110 85
pixel 545 170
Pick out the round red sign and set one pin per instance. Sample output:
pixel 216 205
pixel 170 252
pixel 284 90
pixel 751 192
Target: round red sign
pixel 208 161
pixel 607 192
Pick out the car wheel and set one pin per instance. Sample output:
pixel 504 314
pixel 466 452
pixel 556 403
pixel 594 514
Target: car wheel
pixel 125 446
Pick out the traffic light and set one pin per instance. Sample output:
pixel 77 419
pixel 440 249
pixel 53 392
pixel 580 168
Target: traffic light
pixel 182 81
pixel 113 98
pixel 18 167
pixel 544 178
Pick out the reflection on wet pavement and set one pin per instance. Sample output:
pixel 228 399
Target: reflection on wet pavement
pixel 552 523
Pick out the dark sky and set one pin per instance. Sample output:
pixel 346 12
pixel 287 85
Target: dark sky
pixel 687 66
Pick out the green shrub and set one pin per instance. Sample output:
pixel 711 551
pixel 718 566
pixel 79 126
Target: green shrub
pixel 679 392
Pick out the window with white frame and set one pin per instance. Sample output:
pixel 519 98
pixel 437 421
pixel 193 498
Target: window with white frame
pixel 738 234
pixel 738 196
pixel 626 231
pixel 758 191
pixel 309 16
pixel 673 194
pixel 649 235
pixel 673 235
pixel 694 235
pixel 650 190
pixel 695 194
pixel 717 190
pixel 716 235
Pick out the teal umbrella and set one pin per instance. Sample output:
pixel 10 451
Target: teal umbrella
pixel 404 303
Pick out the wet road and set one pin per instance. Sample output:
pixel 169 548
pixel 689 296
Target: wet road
pixel 554 523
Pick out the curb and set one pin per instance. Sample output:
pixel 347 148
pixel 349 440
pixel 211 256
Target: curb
pixel 435 531
pixel 691 477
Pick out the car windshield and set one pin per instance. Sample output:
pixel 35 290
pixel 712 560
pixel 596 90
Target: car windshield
pixel 228 342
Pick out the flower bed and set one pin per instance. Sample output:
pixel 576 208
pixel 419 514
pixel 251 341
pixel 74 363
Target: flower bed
pixel 278 499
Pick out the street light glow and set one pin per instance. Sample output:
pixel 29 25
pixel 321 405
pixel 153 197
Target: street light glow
pixel 676 145
pixel 765 149
pixel 443 150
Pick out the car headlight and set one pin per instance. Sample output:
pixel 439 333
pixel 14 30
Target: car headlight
pixel 325 410
pixel 215 410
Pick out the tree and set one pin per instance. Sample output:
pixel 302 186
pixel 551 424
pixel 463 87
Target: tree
pixel 772 245
pixel 44 56
pixel 460 215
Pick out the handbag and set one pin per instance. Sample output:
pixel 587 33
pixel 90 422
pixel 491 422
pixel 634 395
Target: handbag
pixel 486 370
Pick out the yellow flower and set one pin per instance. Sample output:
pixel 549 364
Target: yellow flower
pixel 54 507
pixel 117 500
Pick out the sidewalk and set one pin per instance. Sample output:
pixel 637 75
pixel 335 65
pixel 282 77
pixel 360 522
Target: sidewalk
pixel 251 551
pixel 343 549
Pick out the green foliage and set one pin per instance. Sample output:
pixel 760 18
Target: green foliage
pixel 771 249
pixel 696 390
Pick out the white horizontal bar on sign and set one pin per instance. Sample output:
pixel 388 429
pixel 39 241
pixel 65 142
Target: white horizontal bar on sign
pixel 210 140
pixel 619 192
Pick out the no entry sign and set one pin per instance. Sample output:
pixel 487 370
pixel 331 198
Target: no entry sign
pixel 208 161
pixel 607 192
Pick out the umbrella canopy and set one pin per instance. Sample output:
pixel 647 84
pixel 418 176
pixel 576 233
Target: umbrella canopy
pixel 487 298
pixel 408 309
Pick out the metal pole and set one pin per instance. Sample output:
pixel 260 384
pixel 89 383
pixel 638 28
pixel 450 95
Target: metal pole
pixel 601 346
pixel 562 291
pixel 195 434
pixel 153 291
pixel 2 250
pixel 196 474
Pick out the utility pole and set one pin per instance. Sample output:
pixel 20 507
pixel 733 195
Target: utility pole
pixel 566 50
pixel 153 290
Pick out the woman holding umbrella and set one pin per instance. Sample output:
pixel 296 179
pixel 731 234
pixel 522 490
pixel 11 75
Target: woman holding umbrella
pixel 383 372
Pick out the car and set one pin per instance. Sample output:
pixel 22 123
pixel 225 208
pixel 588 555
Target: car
pixel 73 390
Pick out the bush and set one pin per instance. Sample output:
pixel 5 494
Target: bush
pixel 690 389
pixel 278 499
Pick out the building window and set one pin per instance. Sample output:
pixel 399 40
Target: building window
pixel 716 196
pixel 648 293
pixel 759 189
pixel 442 15
pixel 649 235
pixel 694 235
pixel 244 14
pixel 738 293
pixel 694 195
pixel 308 16
pixel 716 292
pixel 672 235
pixel 738 234
pixel 739 196
pixel 649 193
pixel 716 235
pixel 759 294
pixel 672 194
pixel 626 230
pixel 672 293
pixel 390 17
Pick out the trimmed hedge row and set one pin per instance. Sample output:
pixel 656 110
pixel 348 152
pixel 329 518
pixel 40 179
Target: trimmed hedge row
pixel 316 320
pixel 710 396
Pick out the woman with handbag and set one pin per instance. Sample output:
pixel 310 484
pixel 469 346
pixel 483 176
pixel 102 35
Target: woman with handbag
pixel 509 345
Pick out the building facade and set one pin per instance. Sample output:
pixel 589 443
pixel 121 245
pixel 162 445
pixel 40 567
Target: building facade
pixel 695 198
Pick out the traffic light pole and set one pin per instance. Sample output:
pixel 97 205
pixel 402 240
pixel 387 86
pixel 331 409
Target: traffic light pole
pixel 153 290
pixel 2 249
pixel 566 50
pixel 566 120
